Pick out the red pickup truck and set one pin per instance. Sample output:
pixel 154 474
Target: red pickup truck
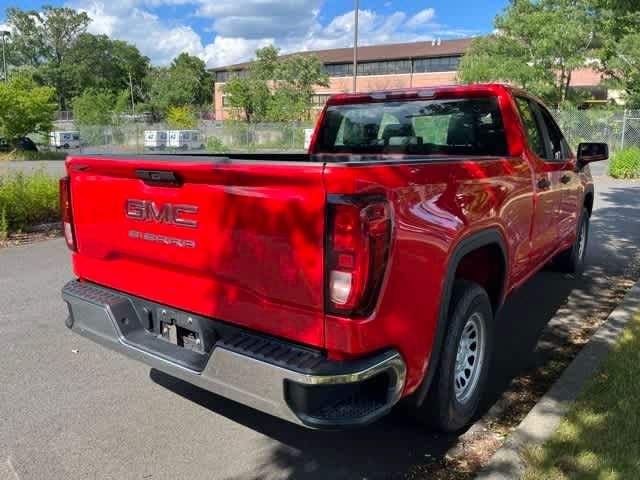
pixel 324 287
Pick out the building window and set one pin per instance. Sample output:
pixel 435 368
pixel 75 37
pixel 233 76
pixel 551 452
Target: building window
pixel 388 67
pixel 339 69
pixel 319 100
pixel 436 64
pixel 224 76
pixel 225 102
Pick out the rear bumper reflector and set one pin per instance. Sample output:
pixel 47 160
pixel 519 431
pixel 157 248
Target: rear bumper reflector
pixel 277 377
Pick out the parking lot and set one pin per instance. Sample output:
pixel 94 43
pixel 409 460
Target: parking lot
pixel 71 409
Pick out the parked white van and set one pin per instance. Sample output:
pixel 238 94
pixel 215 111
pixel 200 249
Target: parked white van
pixel 69 139
pixel 185 139
pixel 155 139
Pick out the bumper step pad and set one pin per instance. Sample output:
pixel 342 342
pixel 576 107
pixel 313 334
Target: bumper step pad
pixel 291 381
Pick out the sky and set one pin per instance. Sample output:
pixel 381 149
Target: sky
pixel 223 32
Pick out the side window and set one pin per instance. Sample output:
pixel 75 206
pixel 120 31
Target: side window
pixel 533 130
pixel 557 144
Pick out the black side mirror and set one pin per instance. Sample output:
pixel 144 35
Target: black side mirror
pixel 592 152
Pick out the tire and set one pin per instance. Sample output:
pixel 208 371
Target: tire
pixel 573 259
pixel 456 391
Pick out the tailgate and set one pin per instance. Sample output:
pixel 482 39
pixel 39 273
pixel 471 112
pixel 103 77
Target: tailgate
pixel 239 241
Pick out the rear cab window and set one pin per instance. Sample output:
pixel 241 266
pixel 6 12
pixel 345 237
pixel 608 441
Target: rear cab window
pixel 461 126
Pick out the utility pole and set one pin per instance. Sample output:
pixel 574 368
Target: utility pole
pixel 355 48
pixel 5 74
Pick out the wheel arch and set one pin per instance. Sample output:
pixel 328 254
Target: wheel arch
pixel 491 237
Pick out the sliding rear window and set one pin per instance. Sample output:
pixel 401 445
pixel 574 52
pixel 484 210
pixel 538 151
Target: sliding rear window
pixel 465 126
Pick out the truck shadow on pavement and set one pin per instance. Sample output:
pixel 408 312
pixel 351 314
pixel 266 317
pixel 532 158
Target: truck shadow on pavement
pixel 536 322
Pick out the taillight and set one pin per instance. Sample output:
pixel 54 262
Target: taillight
pixel 358 237
pixel 65 212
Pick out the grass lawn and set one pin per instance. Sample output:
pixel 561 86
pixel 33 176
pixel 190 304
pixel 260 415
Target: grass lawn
pixel 17 156
pixel 600 437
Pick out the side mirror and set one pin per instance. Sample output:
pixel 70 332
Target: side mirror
pixel 592 152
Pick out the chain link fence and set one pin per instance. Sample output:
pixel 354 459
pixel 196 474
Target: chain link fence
pixel 206 136
pixel 618 128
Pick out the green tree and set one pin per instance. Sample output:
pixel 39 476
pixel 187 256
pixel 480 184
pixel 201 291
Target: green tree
pixel 43 39
pixel 182 117
pixel 185 82
pixel 25 107
pixel 625 68
pixel 249 94
pixel 619 45
pixel 96 61
pixel 296 79
pixel 275 89
pixel 537 45
pixel 94 108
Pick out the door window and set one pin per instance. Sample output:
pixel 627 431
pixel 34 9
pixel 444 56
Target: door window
pixel 532 127
pixel 556 143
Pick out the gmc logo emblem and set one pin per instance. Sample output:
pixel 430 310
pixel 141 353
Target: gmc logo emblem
pixel 167 214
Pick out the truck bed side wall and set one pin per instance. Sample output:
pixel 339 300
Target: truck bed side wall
pixel 435 204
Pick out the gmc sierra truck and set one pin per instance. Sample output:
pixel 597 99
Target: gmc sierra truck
pixel 325 287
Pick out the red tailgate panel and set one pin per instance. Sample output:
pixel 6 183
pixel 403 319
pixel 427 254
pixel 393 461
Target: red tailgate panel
pixel 258 256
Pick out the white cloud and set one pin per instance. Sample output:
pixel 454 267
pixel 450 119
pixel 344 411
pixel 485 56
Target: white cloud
pixel 229 50
pixel 421 18
pixel 238 27
pixel 154 37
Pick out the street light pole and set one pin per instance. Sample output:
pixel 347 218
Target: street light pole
pixel 355 48
pixel 5 76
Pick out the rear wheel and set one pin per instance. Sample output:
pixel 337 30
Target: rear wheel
pixel 459 383
pixel 572 260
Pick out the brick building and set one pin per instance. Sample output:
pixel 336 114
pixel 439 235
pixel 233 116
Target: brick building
pixel 420 64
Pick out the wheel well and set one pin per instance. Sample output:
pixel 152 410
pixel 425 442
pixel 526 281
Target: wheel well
pixel 588 202
pixel 485 266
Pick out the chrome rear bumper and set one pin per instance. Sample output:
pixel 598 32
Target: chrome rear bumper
pixel 271 375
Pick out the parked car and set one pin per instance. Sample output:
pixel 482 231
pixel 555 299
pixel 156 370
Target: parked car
pixel 24 144
pixel 324 287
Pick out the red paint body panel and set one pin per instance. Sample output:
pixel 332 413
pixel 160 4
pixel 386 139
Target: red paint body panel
pixel 259 259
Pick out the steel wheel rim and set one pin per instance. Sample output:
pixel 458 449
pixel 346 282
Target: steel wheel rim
pixel 582 241
pixel 469 358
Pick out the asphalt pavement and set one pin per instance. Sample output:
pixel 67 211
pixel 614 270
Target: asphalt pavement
pixel 70 409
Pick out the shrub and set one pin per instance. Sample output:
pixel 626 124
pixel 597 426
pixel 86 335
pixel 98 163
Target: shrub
pixel 28 199
pixel 626 163
pixel 182 117
pixel 215 145
pixel 20 155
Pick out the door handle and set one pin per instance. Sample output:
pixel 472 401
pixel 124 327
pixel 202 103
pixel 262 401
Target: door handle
pixel 565 179
pixel 544 183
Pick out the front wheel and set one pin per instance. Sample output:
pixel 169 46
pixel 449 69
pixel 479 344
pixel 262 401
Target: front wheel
pixel 572 260
pixel 462 374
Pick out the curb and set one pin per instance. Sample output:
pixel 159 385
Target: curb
pixel 543 419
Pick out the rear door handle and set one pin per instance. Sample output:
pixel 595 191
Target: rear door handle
pixel 544 183
pixel 565 179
